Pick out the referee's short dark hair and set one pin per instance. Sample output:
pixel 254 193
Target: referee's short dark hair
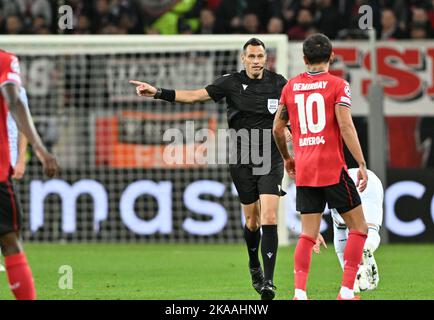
pixel 253 42
pixel 317 48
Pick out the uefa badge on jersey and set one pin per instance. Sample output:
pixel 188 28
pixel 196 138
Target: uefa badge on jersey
pixel 272 105
pixel 347 91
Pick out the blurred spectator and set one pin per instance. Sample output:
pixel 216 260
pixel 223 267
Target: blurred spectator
pixel 207 22
pixel 289 8
pixel 40 26
pixel 182 13
pixel 229 14
pixel 26 10
pixel 389 26
pixel 420 18
pixel 328 21
pixel 304 23
pixel 82 26
pixel 275 25
pixel 117 16
pixel 250 23
pixel 418 31
pixel 102 16
pixel 13 25
pixel 400 9
pixel 128 22
pixel 37 8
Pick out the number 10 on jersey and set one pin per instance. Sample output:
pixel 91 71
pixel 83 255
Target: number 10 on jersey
pixel 305 112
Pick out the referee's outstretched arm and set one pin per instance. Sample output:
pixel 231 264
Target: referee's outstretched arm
pixel 144 89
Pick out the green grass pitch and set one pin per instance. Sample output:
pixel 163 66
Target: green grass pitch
pixel 216 272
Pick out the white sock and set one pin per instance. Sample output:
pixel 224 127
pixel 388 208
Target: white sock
pixel 340 241
pixel 373 239
pixel 346 293
pixel 300 294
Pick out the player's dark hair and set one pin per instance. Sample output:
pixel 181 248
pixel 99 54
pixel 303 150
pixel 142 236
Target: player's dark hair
pixel 317 48
pixel 253 42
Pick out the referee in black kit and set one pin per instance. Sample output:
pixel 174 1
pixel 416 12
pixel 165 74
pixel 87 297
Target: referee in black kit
pixel 252 98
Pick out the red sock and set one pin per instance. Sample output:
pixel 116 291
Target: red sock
pixel 20 277
pixel 302 258
pixel 352 257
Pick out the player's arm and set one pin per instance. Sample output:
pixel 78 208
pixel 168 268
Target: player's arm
pixel 280 136
pixel 20 167
pixel 144 89
pixel 349 134
pixel 25 125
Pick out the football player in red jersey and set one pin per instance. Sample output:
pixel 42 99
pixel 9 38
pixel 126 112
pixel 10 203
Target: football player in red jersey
pixel 318 106
pixel 18 271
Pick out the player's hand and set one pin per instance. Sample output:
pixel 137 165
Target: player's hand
pixel 290 167
pixel 362 178
pixel 49 163
pixel 319 241
pixel 19 170
pixel 144 89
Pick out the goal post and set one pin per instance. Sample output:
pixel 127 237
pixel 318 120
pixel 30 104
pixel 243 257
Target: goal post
pixel 114 186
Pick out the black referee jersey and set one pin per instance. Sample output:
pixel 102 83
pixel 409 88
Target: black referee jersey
pixel 251 104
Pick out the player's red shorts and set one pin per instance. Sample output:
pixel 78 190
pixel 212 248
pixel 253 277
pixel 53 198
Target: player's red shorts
pixel 10 213
pixel 343 196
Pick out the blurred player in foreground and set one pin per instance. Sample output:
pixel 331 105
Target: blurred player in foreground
pixel 17 147
pixel 18 271
pixel 372 203
pixel 318 107
pixel 252 96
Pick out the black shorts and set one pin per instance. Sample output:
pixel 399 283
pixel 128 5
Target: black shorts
pixel 343 196
pixel 10 214
pixel 250 186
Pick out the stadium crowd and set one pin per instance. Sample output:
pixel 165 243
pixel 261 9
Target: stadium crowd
pixel 338 19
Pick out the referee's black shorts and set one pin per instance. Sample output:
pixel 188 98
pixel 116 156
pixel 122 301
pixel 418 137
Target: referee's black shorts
pixel 250 186
pixel 10 214
pixel 343 196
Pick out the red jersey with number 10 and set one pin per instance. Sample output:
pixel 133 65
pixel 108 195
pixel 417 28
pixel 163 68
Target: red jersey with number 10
pixel 310 99
pixel 9 73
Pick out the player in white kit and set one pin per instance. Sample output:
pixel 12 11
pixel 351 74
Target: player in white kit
pixel 372 202
pixel 17 146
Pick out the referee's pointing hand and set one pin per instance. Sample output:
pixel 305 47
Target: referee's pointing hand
pixel 144 89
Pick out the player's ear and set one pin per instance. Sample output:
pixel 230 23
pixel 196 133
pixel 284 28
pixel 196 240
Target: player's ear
pixel 243 56
pixel 332 57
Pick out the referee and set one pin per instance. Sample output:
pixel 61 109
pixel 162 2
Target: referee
pixel 252 97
